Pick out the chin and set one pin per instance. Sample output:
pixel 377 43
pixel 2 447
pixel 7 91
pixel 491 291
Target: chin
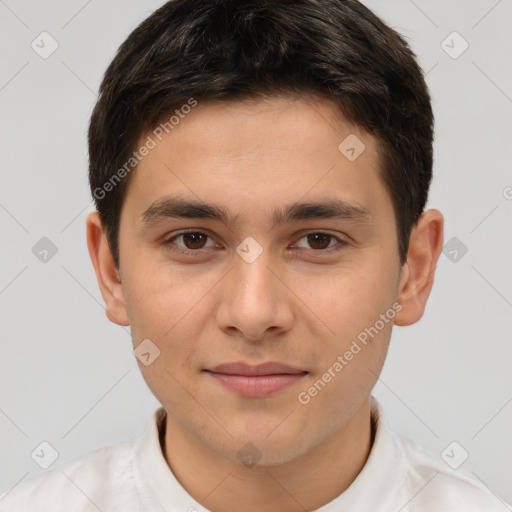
pixel 263 450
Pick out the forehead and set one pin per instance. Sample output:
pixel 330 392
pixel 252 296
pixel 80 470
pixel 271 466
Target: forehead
pixel 240 129
pixel 252 153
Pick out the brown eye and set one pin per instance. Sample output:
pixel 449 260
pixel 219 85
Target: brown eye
pixel 320 243
pixel 194 240
pixel 190 242
pixel 319 240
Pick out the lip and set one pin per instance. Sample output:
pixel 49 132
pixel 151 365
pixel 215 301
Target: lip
pixel 270 368
pixel 256 381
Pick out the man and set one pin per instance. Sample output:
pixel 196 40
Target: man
pixel 260 171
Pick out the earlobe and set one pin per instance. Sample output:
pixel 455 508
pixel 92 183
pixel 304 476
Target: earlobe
pixel 417 277
pixel 108 276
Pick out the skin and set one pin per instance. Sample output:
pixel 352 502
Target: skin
pixel 294 304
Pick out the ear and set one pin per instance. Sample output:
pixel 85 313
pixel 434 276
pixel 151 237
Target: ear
pixel 106 272
pixel 417 277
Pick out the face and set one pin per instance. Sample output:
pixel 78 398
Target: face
pixel 258 278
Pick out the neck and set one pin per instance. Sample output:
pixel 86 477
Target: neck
pixel 304 483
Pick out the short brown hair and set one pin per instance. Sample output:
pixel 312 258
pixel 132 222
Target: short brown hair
pixel 227 50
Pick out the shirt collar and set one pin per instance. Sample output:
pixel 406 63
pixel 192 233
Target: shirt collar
pixel 375 486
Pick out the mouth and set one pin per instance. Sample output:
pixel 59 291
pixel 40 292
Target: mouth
pixel 258 381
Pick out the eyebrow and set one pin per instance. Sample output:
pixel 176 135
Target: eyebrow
pixel 181 208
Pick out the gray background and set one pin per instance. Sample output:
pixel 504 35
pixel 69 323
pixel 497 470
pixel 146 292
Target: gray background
pixel 68 376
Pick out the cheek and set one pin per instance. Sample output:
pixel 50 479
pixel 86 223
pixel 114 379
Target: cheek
pixel 355 305
pixel 166 303
pixel 348 372
pixel 350 297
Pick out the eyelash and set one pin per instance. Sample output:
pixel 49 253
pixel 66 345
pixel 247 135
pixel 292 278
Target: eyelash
pixel 169 243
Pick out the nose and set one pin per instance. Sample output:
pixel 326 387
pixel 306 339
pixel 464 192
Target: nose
pixel 256 303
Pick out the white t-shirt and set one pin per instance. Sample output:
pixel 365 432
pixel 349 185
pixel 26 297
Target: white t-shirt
pixel 134 476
